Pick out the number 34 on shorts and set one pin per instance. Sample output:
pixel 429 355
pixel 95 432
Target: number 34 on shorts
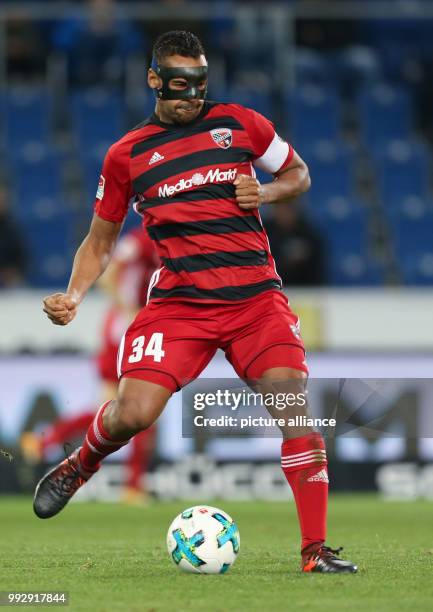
pixel 149 348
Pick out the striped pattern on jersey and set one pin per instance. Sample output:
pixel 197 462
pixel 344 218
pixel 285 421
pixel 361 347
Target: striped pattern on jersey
pixel 211 250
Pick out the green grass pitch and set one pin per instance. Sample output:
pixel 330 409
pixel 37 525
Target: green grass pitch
pixel 112 557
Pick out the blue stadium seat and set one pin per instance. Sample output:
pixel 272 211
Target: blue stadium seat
pixel 139 108
pixel 344 223
pixel 385 113
pixel 311 67
pixel 313 114
pixel 403 170
pixel 97 117
pixel 258 100
pixel 331 170
pixel 412 236
pixel 27 117
pixel 37 175
pixel 355 67
pixel 410 206
pixel 50 246
pixel 337 209
pixel 43 214
pixel 417 269
pixel 344 226
pixel 352 270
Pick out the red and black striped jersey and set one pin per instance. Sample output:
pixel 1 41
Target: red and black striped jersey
pixel 180 179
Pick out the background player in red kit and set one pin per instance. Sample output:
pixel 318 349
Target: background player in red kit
pixel 190 170
pixel 126 281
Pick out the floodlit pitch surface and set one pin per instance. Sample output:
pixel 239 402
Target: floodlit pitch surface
pixel 113 557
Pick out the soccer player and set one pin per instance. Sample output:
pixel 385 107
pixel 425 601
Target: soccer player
pixel 189 168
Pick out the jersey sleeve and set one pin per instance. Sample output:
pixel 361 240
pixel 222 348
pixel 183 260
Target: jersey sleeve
pixel 114 187
pixel 272 153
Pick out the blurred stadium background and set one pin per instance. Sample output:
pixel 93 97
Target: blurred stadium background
pixel 350 84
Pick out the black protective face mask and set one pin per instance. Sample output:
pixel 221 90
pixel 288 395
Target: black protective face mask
pixel 193 77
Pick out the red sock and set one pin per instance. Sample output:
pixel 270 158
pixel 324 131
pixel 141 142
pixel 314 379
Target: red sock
pixel 63 430
pixel 304 464
pixel 98 443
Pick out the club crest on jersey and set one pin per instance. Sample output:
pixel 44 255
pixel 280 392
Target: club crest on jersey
pixel 222 137
pixel 101 188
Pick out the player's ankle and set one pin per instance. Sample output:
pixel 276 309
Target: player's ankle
pixel 86 469
pixel 310 549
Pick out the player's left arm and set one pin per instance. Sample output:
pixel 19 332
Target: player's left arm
pixel 273 155
pixel 290 182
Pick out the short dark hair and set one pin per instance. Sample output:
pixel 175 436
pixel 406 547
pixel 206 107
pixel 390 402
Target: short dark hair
pixel 177 42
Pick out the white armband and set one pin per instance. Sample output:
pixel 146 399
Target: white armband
pixel 274 156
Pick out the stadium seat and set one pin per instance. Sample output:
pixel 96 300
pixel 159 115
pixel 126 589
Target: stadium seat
pixel 412 234
pixel 402 170
pixel 251 98
pixel 27 113
pixel 98 120
pixel 50 246
pixel 97 117
pixel 42 213
pixel 356 271
pixel 311 67
pixel 344 225
pixel 139 107
pixel 417 269
pixel 385 113
pixel 411 206
pixel 411 229
pixel 331 170
pixel 337 209
pixel 37 175
pixel 355 67
pixel 313 114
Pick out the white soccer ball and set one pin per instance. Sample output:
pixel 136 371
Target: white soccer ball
pixel 203 540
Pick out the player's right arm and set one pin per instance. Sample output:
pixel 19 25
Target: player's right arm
pixel 94 254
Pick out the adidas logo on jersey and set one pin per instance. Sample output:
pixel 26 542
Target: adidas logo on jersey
pixel 321 476
pixel 213 176
pixel 156 157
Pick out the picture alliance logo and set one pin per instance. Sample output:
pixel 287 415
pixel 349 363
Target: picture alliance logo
pixel 213 176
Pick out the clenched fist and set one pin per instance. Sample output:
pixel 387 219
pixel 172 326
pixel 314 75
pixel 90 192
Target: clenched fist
pixel 61 308
pixel 248 191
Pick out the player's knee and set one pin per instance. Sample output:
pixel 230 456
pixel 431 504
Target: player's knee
pixel 134 413
pixel 138 405
pixel 281 380
pixel 283 374
pixel 127 416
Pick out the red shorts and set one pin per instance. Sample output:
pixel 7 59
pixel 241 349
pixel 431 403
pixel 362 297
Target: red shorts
pixel 171 342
